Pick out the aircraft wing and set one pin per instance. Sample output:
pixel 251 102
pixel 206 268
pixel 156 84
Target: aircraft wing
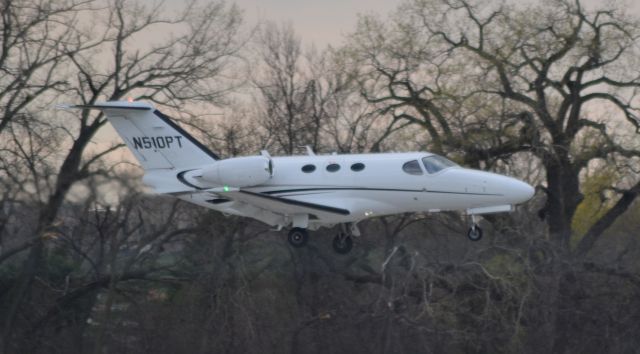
pixel 283 205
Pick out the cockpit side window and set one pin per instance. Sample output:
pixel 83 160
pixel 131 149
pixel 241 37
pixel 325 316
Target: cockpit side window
pixel 412 167
pixel 435 163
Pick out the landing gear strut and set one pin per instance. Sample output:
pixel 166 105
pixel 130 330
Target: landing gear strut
pixel 298 237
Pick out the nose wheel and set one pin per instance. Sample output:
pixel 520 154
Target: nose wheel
pixel 298 237
pixel 474 233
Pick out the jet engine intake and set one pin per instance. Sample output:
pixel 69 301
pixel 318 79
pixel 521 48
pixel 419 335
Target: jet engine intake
pixel 239 171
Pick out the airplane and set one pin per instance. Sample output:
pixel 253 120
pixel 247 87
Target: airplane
pixel 306 192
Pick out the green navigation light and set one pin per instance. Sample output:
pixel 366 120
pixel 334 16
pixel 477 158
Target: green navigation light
pixel 225 188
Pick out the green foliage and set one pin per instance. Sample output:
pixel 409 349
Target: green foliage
pixel 59 265
pixel 8 272
pixel 504 265
pixel 595 203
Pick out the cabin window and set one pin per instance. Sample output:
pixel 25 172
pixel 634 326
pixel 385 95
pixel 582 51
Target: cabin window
pixel 334 167
pixel 308 168
pixel 357 167
pixel 435 163
pixel 412 167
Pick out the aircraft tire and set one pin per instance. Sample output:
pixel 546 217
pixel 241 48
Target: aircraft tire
pixel 342 244
pixel 298 237
pixel 475 233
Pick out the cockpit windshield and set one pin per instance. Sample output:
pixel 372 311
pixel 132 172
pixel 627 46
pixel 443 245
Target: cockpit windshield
pixel 436 163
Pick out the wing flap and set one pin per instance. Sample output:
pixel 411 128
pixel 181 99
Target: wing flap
pixel 282 205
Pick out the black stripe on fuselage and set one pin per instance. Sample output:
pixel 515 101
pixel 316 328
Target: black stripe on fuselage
pixel 298 194
pixel 182 132
pixel 372 189
pixel 184 181
pixel 218 200
pixel 97 106
pixel 338 189
pixel 465 193
pixel 324 208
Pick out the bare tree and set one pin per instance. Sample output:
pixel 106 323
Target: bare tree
pixel 35 37
pixel 494 82
pixel 185 66
pixel 307 97
pixel 491 83
pixel 292 111
pixel 93 251
pixel 470 81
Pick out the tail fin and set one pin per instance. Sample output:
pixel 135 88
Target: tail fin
pixel 153 138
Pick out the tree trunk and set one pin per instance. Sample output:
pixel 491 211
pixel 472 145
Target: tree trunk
pixel 563 198
pixel 31 268
pixel 67 176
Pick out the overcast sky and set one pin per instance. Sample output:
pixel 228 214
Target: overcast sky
pixel 325 22
pixel 320 22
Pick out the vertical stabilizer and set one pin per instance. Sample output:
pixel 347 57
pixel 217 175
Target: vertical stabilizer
pixel 153 138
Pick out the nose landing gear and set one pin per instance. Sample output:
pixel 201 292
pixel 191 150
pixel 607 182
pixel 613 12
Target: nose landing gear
pixel 475 232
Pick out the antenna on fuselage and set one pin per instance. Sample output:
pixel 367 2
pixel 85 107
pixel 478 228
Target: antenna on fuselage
pixel 309 150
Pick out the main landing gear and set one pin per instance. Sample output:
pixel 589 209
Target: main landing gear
pixel 475 232
pixel 342 243
pixel 298 237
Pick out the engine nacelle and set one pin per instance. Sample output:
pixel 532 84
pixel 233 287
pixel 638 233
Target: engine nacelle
pixel 239 171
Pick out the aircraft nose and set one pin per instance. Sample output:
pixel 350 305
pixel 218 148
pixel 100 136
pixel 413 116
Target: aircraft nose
pixel 519 192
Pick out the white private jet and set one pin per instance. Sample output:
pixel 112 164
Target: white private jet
pixel 308 191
